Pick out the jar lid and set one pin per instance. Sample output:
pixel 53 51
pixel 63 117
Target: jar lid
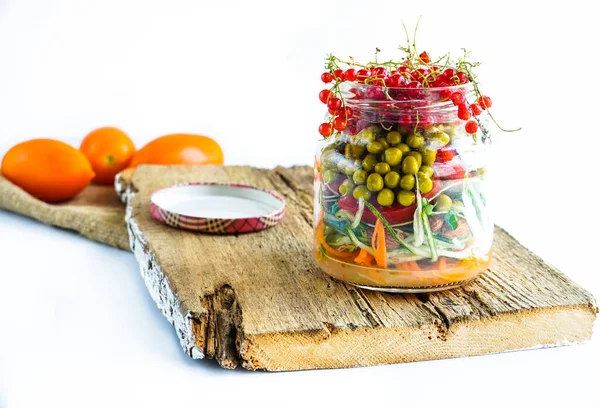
pixel 217 208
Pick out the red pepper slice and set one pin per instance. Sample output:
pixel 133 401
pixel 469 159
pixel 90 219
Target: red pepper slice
pixel 451 170
pixel 395 214
pixel 444 155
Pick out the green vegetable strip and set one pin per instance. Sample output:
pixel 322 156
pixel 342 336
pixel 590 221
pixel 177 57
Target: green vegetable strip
pixel 393 233
pixel 345 214
pixel 359 213
pixel 356 242
pixel 417 227
pixel 429 234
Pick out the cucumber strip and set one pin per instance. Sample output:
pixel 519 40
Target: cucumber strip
pixel 430 241
pixel 417 221
pixel 449 186
pixel 356 242
pixel 359 213
pixel 471 216
pixel 345 214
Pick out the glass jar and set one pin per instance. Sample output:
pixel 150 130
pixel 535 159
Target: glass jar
pixel 400 195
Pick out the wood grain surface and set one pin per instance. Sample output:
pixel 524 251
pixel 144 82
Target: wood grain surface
pixel 96 213
pixel 258 300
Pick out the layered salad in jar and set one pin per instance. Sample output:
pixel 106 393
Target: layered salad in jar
pixel 400 175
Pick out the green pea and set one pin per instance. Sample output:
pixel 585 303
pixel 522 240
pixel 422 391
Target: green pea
pixel 410 165
pixel 443 203
pixel 383 142
pixel 385 197
pixel 425 184
pixel 393 137
pixel 360 177
pixel 330 158
pixel 428 156
pixel 449 129
pixel 361 192
pixel 415 140
pixel 439 139
pixel 382 168
pixel 369 162
pixel 367 135
pixel 347 167
pixel 391 179
pixel 417 156
pixel 404 148
pixel 354 151
pixel 407 182
pixel 458 206
pixel 330 176
pixel 375 147
pixel 346 187
pixel 375 182
pixel 427 170
pixel 393 156
pixel 405 198
pixel 481 171
pixel 430 131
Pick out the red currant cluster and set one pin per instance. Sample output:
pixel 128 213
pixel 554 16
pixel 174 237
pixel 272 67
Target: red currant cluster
pixel 412 74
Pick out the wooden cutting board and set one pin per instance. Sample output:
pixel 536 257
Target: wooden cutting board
pixel 96 213
pixel 258 300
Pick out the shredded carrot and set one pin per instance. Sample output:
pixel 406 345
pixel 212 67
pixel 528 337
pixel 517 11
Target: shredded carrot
pixel 414 266
pixel 442 264
pixel 378 244
pixel 365 258
pixel 335 253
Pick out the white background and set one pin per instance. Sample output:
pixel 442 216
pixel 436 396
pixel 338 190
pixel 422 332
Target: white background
pixel 77 327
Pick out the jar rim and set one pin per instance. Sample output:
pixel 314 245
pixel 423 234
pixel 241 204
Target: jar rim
pixel 466 86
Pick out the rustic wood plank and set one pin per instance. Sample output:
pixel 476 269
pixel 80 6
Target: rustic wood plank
pixel 260 301
pixel 96 213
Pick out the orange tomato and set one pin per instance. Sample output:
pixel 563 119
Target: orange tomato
pixel 47 169
pixel 109 151
pixel 179 149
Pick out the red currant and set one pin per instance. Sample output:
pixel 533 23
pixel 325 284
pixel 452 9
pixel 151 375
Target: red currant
pixel 484 102
pixel 462 77
pixel 463 112
pixel 457 97
pixel 333 112
pixel 403 69
pixel 397 81
pixel 420 74
pixel 326 77
pixel 440 83
pixel 414 85
pixel 339 75
pixel 471 127
pixel 475 109
pixel 362 75
pixel 325 95
pixel 424 121
pixel 350 75
pixel 346 112
pixel 340 124
pixel 425 57
pixel 325 129
pixel 380 72
pixel 445 94
pixel 334 103
pixel 449 73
